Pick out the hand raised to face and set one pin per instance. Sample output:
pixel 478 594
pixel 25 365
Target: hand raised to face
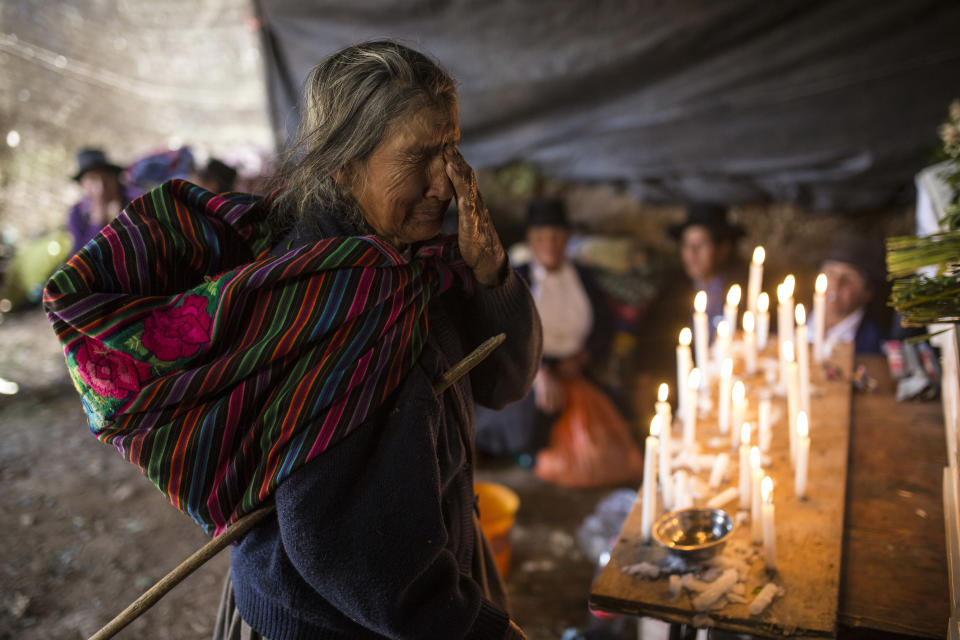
pixel 479 243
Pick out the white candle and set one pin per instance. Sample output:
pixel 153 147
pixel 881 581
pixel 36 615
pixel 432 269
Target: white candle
pixel 726 381
pixel 784 320
pixel 731 308
pixel 803 456
pixel 803 358
pixel 745 465
pixel 649 507
pixel 681 496
pixel 755 282
pixel 756 477
pixel 739 394
pixel 721 346
pixel 819 316
pixel 763 320
pixel 769 533
pixel 793 397
pixel 665 423
pixel 719 470
pixel 701 331
pixel 684 364
pixel 690 418
pixel 749 342
pixel 763 418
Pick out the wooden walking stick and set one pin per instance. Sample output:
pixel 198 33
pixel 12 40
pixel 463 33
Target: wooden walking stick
pixel 239 528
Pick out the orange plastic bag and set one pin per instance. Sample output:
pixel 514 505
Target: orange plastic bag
pixel 590 443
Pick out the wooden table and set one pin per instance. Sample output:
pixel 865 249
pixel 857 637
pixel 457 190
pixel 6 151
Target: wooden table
pixel 893 574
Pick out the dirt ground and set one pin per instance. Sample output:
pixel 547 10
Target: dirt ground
pixel 83 533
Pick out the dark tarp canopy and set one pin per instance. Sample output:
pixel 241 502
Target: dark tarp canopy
pixel 830 105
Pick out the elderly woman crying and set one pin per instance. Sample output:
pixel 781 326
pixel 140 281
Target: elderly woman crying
pixel 286 348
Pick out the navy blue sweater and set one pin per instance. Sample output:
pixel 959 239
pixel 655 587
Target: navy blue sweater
pixel 376 537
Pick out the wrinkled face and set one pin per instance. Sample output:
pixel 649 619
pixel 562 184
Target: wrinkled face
pixel 100 184
pixel 699 253
pixel 402 186
pixel 548 244
pixel 847 290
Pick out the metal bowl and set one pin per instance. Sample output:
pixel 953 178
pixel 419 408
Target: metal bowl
pixel 694 534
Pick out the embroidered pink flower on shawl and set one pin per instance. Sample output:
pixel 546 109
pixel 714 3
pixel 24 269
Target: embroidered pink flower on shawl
pixel 110 373
pixel 178 332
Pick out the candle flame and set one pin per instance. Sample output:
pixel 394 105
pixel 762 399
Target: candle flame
pixel 723 329
pixel 755 457
pixel 739 392
pixel 686 336
pixel 787 350
pixel 789 284
pixel 663 392
pixel 733 295
pixel 693 380
pixel 749 324
pixel 759 255
pixel 655 426
pixel 726 369
pixel 745 433
pixel 801 315
pixel 821 285
pixel 700 302
pixel 766 489
pixel 763 302
pixel 803 428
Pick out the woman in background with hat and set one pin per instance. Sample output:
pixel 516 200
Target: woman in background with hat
pixel 104 195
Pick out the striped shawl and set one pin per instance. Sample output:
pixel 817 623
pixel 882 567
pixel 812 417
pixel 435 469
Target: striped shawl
pixel 218 369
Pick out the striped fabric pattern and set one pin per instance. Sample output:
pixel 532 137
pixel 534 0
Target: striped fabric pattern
pixel 218 369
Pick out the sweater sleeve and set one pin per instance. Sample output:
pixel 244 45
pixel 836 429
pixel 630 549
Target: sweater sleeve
pixel 507 374
pixel 364 526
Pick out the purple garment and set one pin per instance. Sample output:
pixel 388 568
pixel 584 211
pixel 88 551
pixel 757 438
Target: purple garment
pixel 78 219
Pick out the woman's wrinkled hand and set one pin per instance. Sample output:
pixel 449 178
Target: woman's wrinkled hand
pixel 479 243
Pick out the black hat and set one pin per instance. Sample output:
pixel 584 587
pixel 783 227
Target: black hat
pixel 863 253
pixel 713 217
pixel 220 174
pixel 547 212
pixel 91 158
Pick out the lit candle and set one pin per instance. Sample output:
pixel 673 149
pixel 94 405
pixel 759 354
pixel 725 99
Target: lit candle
pixel 726 381
pixel 745 465
pixel 665 423
pixel 756 477
pixel 749 342
pixel 769 534
pixel 684 364
pixel 701 331
pixel 649 506
pixel 793 397
pixel 690 418
pixel 732 307
pixel 785 319
pixel 755 282
pixel 803 358
pixel 739 410
pixel 803 456
pixel 819 316
pixel 721 346
pixel 763 418
pixel 763 320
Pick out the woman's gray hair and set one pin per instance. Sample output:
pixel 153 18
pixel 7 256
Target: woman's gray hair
pixel 350 100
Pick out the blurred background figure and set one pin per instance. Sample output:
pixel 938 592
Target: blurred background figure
pixel 104 195
pixel 576 332
pixel 217 176
pixel 856 291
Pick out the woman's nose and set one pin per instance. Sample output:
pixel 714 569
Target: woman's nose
pixel 438 184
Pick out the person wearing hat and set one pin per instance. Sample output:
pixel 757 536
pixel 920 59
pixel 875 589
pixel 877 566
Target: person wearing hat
pixel 707 241
pixel 217 176
pixel 576 332
pixel 104 195
pixel 856 278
